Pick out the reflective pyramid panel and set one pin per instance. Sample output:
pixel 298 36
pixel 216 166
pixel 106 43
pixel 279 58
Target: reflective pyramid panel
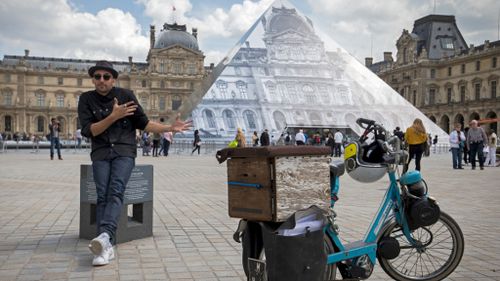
pixel 285 73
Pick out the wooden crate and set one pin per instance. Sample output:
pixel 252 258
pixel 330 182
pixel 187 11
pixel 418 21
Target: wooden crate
pixel 271 185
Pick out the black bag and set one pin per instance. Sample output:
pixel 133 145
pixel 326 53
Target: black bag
pixel 296 257
pixel 48 136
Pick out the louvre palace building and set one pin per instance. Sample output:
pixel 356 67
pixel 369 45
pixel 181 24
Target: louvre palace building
pixel 35 89
pixel 448 80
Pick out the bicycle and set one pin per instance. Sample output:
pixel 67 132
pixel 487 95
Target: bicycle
pixel 409 235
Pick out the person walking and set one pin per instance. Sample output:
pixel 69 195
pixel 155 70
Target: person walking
pixel 54 131
pixel 240 138
pixel 110 116
pixel 457 139
pixel 330 142
pixel 476 139
pixel 465 150
pixel 156 144
pixel 338 137
pixel 196 142
pixel 78 136
pixel 491 159
pixel 416 138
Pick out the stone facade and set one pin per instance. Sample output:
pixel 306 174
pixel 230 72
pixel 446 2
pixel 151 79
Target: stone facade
pixel 35 89
pixel 450 84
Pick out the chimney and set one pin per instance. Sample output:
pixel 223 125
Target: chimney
pixel 130 60
pixel 212 65
pixel 151 36
pixel 486 44
pixel 195 32
pixel 26 53
pixel 368 62
pixel 388 56
pixel 247 44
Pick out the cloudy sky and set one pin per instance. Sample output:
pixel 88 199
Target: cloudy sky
pixel 97 29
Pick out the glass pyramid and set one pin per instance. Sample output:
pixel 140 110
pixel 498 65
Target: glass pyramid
pixel 285 74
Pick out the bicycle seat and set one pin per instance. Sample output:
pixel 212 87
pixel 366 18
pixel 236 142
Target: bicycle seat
pixel 337 168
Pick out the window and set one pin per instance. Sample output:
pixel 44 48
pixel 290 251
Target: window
pixel 493 89
pixel 449 95
pixel 162 103
pixel 478 65
pixel 462 70
pixel 414 74
pixel 433 73
pixel 60 101
pixel 40 99
pixel 143 83
pixel 222 86
pixel 60 80
pixel 40 80
pixel 7 78
pixel 494 62
pixel 250 119
pixel 242 87
pixel 162 84
pixel 228 117
pixel 79 82
pixel 309 93
pixel 209 119
pixel 477 91
pixel 462 93
pixel 8 123
pixel 292 92
pixel 176 102
pixel 432 96
pixel 144 102
pixel 449 71
pixel 176 68
pixel 447 43
pixel 40 124
pixel 162 67
pixel 414 101
pixel 191 68
pixel 7 99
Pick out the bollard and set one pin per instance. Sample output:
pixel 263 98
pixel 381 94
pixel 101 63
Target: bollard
pixel 136 218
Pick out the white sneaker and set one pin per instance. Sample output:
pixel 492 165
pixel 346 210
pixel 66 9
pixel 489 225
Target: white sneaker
pixel 98 244
pixel 107 255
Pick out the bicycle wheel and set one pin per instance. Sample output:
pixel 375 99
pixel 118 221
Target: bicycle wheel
pixel 439 251
pixel 253 248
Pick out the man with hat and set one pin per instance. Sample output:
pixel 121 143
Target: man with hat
pixel 109 116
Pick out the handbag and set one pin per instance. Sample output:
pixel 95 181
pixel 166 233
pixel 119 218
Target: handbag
pixel 233 144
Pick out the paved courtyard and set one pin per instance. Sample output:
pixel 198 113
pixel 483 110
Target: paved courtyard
pixel 39 220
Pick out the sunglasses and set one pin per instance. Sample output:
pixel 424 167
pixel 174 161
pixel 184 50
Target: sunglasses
pixel 105 76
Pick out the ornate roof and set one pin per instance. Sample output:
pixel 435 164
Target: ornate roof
pixel 173 34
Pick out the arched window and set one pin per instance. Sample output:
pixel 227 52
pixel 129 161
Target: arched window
pixel 176 102
pixel 228 117
pixel 208 116
pixel 250 119
pixel 279 120
pixel 40 124
pixel 8 123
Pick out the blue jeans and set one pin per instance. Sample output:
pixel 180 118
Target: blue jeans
pixel 476 149
pixel 111 177
pixel 55 142
pixel 456 154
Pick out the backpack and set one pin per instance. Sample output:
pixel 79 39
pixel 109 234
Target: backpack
pixel 287 139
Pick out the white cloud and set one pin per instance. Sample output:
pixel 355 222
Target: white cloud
pixel 54 28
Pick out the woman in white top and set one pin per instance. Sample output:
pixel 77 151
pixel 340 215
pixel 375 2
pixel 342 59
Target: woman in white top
pixel 491 159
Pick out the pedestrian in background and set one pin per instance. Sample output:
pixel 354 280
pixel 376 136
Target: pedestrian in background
pixel 300 138
pixel 476 139
pixel 457 139
pixel 491 160
pixel 168 139
pixel 255 139
pixel 54 131
pixel 264 138
pixel 240 138
pixel 416 137
pixel 196 142
pixel 338 138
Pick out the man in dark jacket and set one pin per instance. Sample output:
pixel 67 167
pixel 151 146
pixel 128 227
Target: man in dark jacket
pixel 110 116
pixel 264 138
pixel 54 131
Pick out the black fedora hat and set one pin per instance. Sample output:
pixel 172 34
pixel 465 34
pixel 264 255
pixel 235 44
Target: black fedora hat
pixel 103 65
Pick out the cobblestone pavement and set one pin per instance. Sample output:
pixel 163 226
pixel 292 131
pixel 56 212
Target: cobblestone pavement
pixel 39 220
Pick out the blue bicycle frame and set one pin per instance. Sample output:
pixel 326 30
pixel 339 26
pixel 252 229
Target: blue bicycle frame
pixel 391 207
